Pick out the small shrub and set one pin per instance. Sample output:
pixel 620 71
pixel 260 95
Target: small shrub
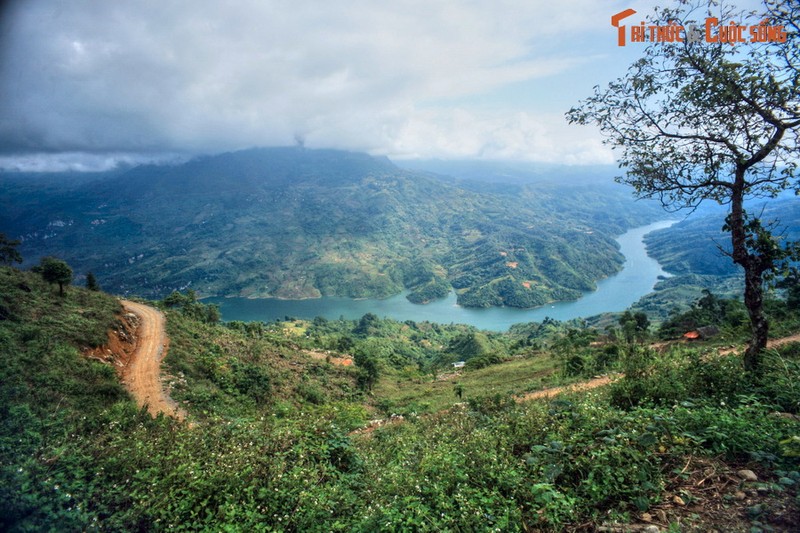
pixel 311 393
pixel 780 383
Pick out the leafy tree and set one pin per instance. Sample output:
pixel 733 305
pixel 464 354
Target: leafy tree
pixel 368 325
pixel 792 285
pixel 470 344
pixel 8 251
pixel 56 271
pixel 700 121
pixel 176 299
pixel 458 390
pixel 368 370
pixel 91 282
pixel 634 325
pixel 189 306
pixel 344 344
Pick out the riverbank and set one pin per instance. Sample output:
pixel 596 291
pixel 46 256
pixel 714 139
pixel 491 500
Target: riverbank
pixel 638 276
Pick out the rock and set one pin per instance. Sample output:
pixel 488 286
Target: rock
pixel 647 517
pixel 747 475
pixel 651 529
pixel 739 495
pixel 677 500
pixel 787 416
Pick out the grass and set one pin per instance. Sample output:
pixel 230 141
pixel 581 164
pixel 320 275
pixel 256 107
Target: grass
pixel 421 394
pixel 219 371
pixel 275 453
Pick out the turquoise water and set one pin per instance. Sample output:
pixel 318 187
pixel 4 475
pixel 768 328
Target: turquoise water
pixel 616 293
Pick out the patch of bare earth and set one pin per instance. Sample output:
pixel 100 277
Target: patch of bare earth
pixel 324 356
pixel 142 374
pixel 773 343
pixel 136 348
pixel 575 387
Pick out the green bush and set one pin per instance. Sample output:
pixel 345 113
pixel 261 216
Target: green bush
pixel 781 380
pixel 679 374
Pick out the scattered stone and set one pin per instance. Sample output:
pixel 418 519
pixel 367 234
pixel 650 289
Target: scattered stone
pixel 647 517
pixel 739 495
pixel 747 475
pixel 755 510
pixel 651 529
pixel 662 515
pixel 677 500
pixel 787 416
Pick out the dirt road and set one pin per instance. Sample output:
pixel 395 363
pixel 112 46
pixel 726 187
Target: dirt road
pixel 142 375
pixel 575 387
pixel 773 343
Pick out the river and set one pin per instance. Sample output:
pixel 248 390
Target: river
pixel 638 276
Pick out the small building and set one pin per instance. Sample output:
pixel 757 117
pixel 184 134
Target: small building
pixel 459 364
pixel 704 333
pixel 691 335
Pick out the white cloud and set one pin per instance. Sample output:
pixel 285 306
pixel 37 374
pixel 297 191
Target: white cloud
pixel 82 161
pixel 519 136
pixel 360 74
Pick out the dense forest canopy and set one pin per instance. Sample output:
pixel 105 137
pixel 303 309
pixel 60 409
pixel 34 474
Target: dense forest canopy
pixel 297 223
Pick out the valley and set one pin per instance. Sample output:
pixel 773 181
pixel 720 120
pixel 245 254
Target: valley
pixel 613 294
pixel 292 223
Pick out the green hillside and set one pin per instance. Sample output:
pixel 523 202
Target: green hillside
pixel 269 443
pixel 694 252
pixel 293 223
pixel 698 245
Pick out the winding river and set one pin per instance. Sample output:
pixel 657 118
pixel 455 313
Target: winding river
pixel 638 276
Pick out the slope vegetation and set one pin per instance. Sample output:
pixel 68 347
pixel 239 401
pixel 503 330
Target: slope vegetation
pixel 662 446
pixel 293 223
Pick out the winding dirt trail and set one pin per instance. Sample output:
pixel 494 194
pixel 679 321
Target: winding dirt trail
pixel 575 387
pixel 142 375
pixel 772 343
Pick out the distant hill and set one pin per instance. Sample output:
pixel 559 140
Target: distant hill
pixel 518 172
pixel 698 245
pixel 297 223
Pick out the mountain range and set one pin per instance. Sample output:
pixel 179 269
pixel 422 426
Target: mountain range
pixel 300 223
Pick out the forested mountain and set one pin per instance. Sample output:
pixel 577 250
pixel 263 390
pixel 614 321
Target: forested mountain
pixel 297 223
pixel 699 246
pixel 694 252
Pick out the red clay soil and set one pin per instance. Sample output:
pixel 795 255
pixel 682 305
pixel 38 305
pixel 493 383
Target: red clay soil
pixel 774 343
pixel 142 373
pixel 575 387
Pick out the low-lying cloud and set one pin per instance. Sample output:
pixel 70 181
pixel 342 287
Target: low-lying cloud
pixel 196 76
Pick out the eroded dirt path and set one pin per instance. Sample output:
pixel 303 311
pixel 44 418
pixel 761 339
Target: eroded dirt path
pixel 575 387
pixel 142 375
pixel 544 393
pixel 772 343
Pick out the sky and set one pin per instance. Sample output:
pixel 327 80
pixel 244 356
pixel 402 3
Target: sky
pixel 86 84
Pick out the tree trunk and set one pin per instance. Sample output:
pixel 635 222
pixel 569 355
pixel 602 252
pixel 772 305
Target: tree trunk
pixel 753 275
pixel 759 326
